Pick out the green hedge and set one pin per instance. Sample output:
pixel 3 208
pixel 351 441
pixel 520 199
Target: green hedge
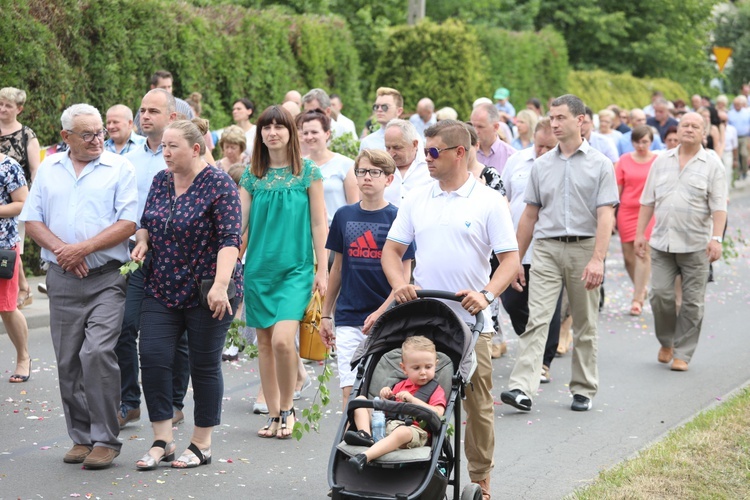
pixel 454 64
pixel 104 51
pixel 599 89
pixel 529 64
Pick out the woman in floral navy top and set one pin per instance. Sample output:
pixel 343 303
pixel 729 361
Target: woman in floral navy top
pixel 13 192
pixel 192 212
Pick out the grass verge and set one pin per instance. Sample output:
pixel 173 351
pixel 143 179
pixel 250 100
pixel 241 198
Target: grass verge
pixel 707 458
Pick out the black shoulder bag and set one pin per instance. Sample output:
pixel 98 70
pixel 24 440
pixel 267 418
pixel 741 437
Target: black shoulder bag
pixel 204 286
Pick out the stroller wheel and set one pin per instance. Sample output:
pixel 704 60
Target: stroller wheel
pixel 471 491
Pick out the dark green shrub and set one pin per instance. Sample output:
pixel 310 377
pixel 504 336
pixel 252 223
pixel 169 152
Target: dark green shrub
pixel 529 64
pixel 438 61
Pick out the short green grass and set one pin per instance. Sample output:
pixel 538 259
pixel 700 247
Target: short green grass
pixel 708 458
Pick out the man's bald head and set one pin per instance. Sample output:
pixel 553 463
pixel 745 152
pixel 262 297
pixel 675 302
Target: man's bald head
pixel 637 117
pixel 294 97
pixel 119 123
pixel 425 108
pixel 292 107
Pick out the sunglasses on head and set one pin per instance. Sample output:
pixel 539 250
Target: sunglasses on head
pixel 376 107
pixel 435 152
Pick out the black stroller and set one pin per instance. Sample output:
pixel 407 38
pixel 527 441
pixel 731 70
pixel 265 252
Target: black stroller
pixel 419 473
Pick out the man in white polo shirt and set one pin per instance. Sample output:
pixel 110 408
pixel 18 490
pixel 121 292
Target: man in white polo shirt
pixel 456 222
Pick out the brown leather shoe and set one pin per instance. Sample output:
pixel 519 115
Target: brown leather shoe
pixel 679 365
pixel 485 485
pixel 665 354
pixel 498 350
pixel 100 458
pixel 77 454
pixel 124 417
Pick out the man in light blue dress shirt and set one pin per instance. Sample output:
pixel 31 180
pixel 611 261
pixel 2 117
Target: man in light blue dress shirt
pixel 625 144
pixel 122 138
pixel 157 112
pixel 81 210
pixel 739 117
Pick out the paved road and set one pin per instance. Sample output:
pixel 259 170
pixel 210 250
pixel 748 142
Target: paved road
pixel 543 454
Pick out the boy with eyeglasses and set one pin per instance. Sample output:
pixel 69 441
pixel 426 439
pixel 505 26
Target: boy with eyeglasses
pixel 357 286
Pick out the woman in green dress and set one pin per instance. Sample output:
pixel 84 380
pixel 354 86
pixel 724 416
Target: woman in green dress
pixel 284 209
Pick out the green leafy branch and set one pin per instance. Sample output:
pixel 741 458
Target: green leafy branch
pixel 313 415
pixel 729 247
pixel 130 267
pixel 235 337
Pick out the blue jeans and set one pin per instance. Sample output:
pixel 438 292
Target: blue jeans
pixel 127 349
pixel 163 327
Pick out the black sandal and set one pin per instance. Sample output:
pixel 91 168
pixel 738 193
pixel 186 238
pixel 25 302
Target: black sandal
pixel 151 462
pixel 283 426
pixel 358 438
pixel 269 423
pixel 195 458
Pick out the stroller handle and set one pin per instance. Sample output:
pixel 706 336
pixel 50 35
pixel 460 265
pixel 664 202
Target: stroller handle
pixel 442 294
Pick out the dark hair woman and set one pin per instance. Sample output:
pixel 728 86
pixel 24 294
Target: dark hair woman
pixel 287 232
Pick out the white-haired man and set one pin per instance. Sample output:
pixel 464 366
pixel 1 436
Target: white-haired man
pixel 81 210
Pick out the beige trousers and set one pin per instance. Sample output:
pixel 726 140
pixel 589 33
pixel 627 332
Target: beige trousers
pixel 553 264
pixel 479 441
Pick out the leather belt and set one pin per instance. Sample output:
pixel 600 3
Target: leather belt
pixel 570 239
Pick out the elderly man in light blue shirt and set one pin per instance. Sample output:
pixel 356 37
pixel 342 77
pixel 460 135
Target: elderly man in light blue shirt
pixel 81 211
pixel 424 117
pixel 119 125
pixel 739 117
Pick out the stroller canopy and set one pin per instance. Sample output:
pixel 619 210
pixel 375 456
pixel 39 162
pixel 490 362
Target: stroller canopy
pixel 428 317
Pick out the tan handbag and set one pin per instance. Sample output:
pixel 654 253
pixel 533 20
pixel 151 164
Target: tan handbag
pixel 310 345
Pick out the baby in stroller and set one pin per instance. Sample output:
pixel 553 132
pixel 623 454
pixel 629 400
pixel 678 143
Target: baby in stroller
pixel 418 362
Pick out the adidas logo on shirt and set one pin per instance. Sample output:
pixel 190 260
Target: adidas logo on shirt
pixel 365 247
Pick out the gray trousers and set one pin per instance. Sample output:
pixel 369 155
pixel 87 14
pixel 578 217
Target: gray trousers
pixel 85 319
pixel 682 330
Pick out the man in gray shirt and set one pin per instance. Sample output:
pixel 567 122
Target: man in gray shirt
pixel 687 191
pixel 570 203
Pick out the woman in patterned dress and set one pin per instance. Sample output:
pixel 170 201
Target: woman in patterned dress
pixel 13 192
pixel 20 143
pixel 284 210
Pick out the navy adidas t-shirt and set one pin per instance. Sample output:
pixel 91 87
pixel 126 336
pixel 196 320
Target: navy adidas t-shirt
pixel 359 235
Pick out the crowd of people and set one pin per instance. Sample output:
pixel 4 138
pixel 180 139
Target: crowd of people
pixel 511 209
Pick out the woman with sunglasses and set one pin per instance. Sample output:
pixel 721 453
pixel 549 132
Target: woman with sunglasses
pixel 192 222
pixel 283 209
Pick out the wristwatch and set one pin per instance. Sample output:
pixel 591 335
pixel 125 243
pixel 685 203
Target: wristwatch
pixel 717 238
pixel 488 295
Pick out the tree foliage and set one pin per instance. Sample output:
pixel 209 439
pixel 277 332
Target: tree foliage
pixel 657 39
pixel 517 15
pixel 732 31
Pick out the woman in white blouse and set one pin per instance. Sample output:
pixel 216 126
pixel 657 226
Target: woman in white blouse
pixel 339 184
